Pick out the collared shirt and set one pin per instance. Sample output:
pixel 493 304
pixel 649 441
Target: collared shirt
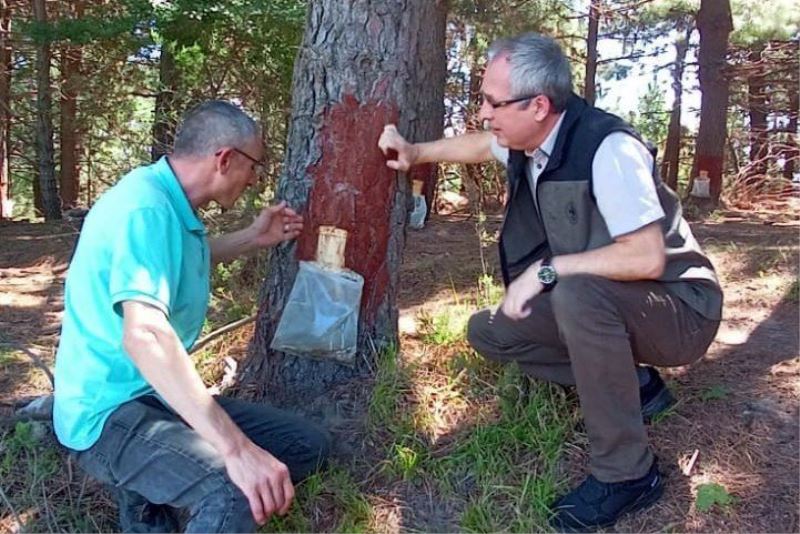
pixel 622 178
pixel 143 242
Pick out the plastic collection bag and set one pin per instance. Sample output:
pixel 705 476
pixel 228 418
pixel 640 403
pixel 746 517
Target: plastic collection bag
pixel 416 219
pixel 320 318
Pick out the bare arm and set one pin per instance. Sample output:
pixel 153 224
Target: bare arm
pixel 638 255
pixel 273 225
pixel 467 148
pixel 152 344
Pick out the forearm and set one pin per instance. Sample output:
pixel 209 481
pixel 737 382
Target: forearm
pixel 617 261
pixel 162 360
pixel 229 246
pixel 468 148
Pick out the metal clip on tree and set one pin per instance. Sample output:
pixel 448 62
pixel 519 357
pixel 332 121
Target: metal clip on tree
pixel 320 319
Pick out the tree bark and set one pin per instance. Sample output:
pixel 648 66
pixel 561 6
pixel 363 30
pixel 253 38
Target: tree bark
pixel 792 153
pixel 672 151
pixel 5 107
pixel 355 72
pixel 71 58
pixel 591 51
pixel 757 110
pixel 714 24
pixel 164 114
pixel 51 204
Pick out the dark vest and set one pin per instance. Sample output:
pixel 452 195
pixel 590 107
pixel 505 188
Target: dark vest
pixel 568 220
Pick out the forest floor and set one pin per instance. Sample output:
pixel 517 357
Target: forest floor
pixel 440 440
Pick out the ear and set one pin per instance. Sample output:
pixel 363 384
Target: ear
pixel 543 107
pixel 223 160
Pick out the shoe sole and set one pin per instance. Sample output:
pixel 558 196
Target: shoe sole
pixel 658 405
pixel 645 501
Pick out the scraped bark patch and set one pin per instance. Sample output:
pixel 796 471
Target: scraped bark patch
pixel 353 189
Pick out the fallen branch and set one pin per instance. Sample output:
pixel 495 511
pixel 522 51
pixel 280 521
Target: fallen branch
pixel 219 332
pixel 37 361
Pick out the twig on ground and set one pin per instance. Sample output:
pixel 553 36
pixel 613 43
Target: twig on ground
pixel 219 332
pixel 688 469
pixel 10 507
pixel 37 361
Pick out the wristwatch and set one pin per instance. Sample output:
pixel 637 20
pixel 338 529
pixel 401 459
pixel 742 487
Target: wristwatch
pixel 547 274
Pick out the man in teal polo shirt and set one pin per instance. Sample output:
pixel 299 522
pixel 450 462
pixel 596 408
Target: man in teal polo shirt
pixel 128 402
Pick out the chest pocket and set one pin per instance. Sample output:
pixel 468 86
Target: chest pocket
pixel 571 218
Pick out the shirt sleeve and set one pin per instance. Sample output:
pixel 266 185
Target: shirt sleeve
pixel 145 259
pixel 623 184
pixel 500 153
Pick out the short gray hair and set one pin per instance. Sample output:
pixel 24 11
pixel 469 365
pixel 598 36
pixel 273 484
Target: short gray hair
pixel 213 125
pixel 538 66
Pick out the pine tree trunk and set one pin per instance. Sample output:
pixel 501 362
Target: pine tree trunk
pixel 714 24
pixel 5 107
pixel 672 151
pixel 357 70
pixel 51 204
pixel 591 51
pixel 792 152
pixel 757 111
pixel 164 115
pixel 71 56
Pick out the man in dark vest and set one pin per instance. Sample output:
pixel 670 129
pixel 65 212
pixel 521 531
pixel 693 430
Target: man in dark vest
pixel 603 276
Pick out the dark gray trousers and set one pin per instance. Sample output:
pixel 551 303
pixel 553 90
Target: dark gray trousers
pixel 591 332
pixel 148 454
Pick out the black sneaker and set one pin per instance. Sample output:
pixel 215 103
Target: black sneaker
pixel 655 397
pixel 595 504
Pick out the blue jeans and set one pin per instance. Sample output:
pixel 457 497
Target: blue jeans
pixel 154 461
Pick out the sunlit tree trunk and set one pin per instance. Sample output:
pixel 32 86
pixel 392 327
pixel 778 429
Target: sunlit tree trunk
pixel 358 69
pixel 51 204
pixel 714 24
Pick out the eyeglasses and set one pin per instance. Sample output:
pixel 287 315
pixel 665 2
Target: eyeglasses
pixel 504 103
pixel 259 166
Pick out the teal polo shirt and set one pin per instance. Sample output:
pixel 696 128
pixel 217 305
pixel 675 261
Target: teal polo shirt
pixel 141 241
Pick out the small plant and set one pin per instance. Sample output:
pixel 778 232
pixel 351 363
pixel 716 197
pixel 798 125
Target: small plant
pixel 711 495
pixel 715 392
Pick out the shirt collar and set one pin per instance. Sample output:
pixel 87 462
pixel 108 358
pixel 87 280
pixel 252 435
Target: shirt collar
pixel 177 196
pixel 546 148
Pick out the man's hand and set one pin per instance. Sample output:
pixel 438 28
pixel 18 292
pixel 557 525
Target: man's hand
pixel 275 224
pixel 407 153
pixel 263 479
pixel 520 291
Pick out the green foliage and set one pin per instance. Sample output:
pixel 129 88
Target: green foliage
pixel 713 495
pixel 715 392
pixel 652 117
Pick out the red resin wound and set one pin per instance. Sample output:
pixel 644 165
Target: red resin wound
pixel 354 190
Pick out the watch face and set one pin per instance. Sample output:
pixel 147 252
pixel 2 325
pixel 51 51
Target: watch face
pixel 547 275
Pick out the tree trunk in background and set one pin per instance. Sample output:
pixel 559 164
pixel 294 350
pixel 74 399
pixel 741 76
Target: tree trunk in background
pixel 670 163
pixel 71 56
pixel 757 110
pixel 792 152
pixel 714 24
pixel 431 72
pixel 475 183
pixel 355 72
pixel 591 52
pixel 5 107
pixel 51 204
pixel 164 115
